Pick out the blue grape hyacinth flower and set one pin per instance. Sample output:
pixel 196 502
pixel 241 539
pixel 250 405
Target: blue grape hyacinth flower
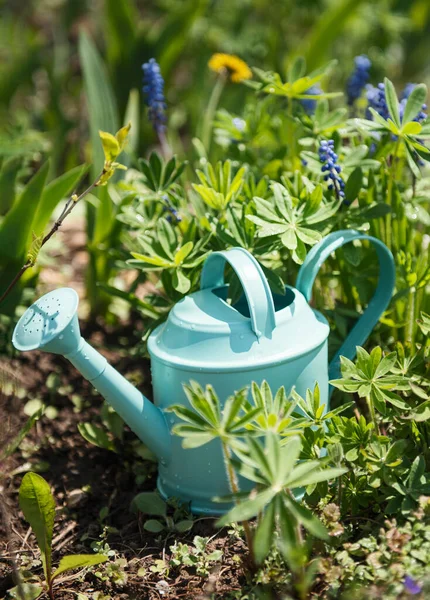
pixel 330 168
pixel 358 78
pixel 376 100
pixel 153 88
pixel 308 104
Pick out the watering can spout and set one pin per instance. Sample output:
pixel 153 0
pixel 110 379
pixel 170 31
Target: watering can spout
pixel 51 324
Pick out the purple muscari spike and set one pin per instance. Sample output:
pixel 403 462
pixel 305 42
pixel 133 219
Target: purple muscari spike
pixel 358 78
pixel 376 100
pixel 153 89
pixel 308 104
pixel 411 586
pixel 330 168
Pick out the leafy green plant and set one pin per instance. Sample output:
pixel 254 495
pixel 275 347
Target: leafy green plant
pixel 370 377
pixel 38 506
pixel 217 188
pixel 176 257
pixel 150 503
pixel 195 556
pixel 271 467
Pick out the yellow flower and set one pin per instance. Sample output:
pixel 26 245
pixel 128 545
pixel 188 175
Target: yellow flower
pixel 231 65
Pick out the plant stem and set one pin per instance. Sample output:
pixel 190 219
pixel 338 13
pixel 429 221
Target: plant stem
pixel 234 487
pixel 211 109
pixel 372 413
pixel 411 323
pixel 69 206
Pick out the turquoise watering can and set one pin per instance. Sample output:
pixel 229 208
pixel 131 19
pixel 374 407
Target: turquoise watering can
pixel 265 336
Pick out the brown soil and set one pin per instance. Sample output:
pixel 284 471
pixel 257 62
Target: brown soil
pixel 69 464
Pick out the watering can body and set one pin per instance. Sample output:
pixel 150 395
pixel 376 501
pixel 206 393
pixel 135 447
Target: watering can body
pixel 264 336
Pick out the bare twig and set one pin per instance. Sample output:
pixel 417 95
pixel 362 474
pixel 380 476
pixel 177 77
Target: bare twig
pixel 69 206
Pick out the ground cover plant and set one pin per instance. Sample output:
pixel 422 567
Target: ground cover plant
pixel 340 506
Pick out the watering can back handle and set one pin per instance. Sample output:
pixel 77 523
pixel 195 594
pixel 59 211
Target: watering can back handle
pixel 254 283
pixel 377 304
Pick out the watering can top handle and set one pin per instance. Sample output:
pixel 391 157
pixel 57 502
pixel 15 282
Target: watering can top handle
pixel 377 304
pixel 254 283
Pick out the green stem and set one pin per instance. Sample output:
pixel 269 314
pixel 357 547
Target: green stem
pixel 372 413
pixel 234 487
pixel 211 109
pixel 290 132
pixel 411 324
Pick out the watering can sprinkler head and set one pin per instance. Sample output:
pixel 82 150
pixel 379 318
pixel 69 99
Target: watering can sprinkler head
pixel 51 324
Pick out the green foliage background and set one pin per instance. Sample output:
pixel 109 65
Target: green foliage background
pixel 42 79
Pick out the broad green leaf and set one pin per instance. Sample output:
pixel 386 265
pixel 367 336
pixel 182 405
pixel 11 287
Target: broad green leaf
pixel 78 561
pixel 38 506
pixel 8 174
pixel 354 184
pixel 183 252
pixel 96 436
pixel 414 103
pixel 411 128
pixel 420 413
pixel 16 227
pixel 103 112
pixel 180 282
pixel 153 526
pixel 110 146
pixel 150 503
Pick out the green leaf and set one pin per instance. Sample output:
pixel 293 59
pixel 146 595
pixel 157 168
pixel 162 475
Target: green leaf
pixel 101 103
pixel 411 128
pixel 38 506
pixel 306 518
pixel 354 184
pixel 180 282
pixel 15 229
pixel 414 103
pixel 183 526
pixel 317 476
pixel 153 526
pixel 183 252
pixel 8 174
pixel 264 534
pixel 77 561
pixel 392 102
pixel 25 591
pixel 420 413
pixel 248 508
pixel 150 503
pixel 96 436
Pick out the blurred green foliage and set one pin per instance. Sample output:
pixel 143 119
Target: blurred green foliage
pixel 43 74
